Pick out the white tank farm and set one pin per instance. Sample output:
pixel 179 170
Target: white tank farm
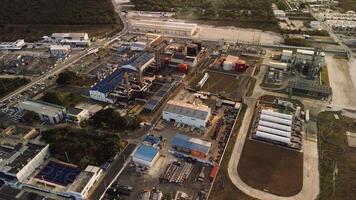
pixel 277 114
pixel 276 119
pixel 274 131
pixel 275 125
pixel 277 138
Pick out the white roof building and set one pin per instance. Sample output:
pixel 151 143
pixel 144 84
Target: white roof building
pixel 17 45
pixel 165 27
pixel 74 39
pixel 189 114
pixel 46 111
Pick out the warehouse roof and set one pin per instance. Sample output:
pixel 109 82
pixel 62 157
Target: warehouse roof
pixel 191 143
pixel 145 152
pixel 139 61
pixel 72 35
pixel 109 83
pixel 189 110
pixel 41 107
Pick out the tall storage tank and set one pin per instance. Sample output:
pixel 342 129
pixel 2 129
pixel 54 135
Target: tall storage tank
pixel 227 66
pixel 192 50
pixel 241 66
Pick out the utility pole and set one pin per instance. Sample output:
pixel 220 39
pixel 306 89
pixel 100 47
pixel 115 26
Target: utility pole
pixel 66 156
pixel 334 176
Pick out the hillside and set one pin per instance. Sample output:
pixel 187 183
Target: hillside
pixel 234 11
pixel 31 19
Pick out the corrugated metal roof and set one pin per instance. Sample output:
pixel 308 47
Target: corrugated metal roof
pixel 41 107
pixel 191 143
pixel 189 110
pixel 145 152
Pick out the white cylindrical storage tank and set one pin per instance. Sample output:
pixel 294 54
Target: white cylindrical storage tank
pixel 227 66
pixel 275 125
pixel 277 138
pixel 274 131
pixel 276 114
pixel 276 119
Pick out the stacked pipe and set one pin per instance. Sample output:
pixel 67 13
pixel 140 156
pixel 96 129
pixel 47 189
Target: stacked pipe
pixel 177 172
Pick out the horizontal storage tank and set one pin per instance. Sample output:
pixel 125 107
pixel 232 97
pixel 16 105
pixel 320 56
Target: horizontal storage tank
pixel 277 138
pixel 275 125
pixel 227 66
pixel 276 119
pixel 276 114
pixel 274 131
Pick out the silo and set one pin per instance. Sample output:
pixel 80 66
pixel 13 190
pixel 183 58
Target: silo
pixel 264 135
pixel 274 131
pixel 276 119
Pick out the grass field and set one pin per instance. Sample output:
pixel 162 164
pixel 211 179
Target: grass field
pixel 31 20
pixel 347 5
pixel 223 188
pixel 333 148
pixel 271 168
pixel 324 76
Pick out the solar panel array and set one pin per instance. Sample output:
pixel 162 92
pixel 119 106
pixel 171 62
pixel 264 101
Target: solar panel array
pixel 158 98
pixel 109 83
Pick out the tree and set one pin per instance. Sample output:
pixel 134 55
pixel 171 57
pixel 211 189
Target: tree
pixel 66 77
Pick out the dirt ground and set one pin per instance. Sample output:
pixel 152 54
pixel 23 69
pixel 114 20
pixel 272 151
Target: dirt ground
pixel 230 86
pixel 271 168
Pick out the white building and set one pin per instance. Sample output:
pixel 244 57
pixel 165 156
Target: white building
pixel 11 46
pixel 279 13
pixel 189 114
pixel 46 111
pixel 145 155
pixel 138 46
pixel 164 27
pixel 73 39
pixel 77 115
pixel 18 163
pixel 286 55
pixel 315 25
pixel 84 182
pixel 278 66
pixel 59 51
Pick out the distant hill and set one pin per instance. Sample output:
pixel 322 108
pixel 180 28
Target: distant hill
pixel 31 19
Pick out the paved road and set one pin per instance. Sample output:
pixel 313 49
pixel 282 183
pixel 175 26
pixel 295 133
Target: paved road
pixel 112 173
pixel 310 188
pixel 74 57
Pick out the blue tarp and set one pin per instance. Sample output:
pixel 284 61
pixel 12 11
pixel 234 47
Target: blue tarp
pixel 145 152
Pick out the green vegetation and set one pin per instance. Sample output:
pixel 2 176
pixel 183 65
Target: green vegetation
pixel 66 99
pixel 8 85
pixel 309 32
pixel 347 5
pixel 256 11
pixel 334 151
pixel 297 42
pixel 82 148
pixel 71 78
pixel 110 119
pixel 32 19
pixel 324 76
pixel 223 188
pixel 251 87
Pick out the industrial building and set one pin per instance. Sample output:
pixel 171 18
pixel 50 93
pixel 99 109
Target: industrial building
pixel 165 27
pixel 46 111
pixel 12 46
pixel 157 99
pixel 286 56
pixel 124 82
pixel 307 56
pixel 59 51
pixel 277 128
pixel 191 146
pixel 72 39
pixel 84 182
pixel 18 162
pixel 185 113
pixel 310 88
pixel 76 115
pixel 145 156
